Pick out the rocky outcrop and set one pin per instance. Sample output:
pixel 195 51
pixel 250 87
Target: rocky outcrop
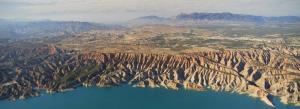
pixel 259 73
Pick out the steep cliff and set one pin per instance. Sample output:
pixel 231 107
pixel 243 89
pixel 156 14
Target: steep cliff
pixel 262 73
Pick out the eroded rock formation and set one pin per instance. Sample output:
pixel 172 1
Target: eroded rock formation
pixel 259 73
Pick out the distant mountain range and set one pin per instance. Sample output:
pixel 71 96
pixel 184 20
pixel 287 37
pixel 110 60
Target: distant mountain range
pixel 224 17
pixel 236 17
pixel 23 29
pixel 152 18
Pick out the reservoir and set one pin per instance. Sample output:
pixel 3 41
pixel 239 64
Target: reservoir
pixel 126 97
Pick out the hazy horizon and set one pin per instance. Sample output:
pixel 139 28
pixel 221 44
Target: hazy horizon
pixel 109 11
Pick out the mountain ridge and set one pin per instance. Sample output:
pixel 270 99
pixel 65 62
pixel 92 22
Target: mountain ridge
pixel 210 17
pixel 24 29
pixel 235 17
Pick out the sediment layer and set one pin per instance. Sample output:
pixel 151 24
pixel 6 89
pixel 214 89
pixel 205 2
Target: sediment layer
pixel 262 73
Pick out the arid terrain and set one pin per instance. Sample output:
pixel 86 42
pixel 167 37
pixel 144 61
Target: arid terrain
pixel 260 60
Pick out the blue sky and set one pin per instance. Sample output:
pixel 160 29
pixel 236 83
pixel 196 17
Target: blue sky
pixel 122 10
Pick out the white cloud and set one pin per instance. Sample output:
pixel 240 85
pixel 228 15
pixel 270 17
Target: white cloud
pixel 29 2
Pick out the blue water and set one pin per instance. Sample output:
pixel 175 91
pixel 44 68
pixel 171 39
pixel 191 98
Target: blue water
pixel 140 98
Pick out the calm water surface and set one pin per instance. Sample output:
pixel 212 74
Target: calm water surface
pixel 140 98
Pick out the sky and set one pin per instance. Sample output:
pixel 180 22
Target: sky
pixel 122 10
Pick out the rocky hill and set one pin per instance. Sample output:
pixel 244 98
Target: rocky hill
pixel 262 73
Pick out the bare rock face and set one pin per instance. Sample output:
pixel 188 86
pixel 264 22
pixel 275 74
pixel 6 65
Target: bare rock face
pixel 259 73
